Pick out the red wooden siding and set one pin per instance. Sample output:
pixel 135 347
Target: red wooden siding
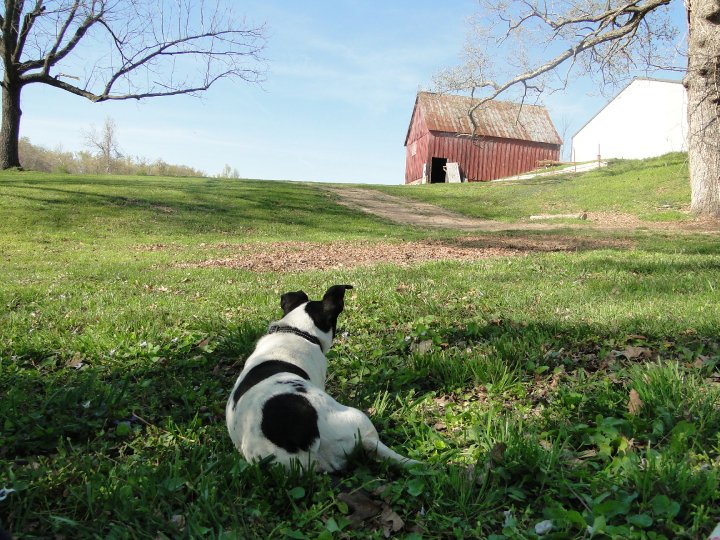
pixel 484 158
pixel 416 148
pixel 480 160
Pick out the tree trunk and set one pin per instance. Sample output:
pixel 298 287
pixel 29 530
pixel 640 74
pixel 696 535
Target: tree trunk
pixel 10 130
pixel 703 85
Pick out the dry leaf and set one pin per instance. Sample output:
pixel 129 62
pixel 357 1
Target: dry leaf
pixel 635 403
pixel 547 445
pixel 391 522
pixel 587 454
pixel 421 348
pixel 371 514
pixel 362 507
pixel 632 352
pixel 497 453
pixel 700 361
pixel 178 520
pixel 76 361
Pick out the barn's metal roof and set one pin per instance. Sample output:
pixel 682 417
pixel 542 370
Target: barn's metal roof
pixel 502 119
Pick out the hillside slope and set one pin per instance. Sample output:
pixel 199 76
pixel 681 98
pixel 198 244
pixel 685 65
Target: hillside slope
pixel 653 189
pixel 130 209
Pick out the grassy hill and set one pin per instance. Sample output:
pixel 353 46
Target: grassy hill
pixel 140 208
pixel 574 387
pixel 654 189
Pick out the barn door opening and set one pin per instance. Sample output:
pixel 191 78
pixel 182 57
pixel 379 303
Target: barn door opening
pixel 437 170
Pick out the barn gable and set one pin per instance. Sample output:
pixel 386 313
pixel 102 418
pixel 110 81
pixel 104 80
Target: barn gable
pixel 509 138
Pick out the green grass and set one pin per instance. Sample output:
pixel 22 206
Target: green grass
pixel 654 189
pixel 124 210
pixel 509 378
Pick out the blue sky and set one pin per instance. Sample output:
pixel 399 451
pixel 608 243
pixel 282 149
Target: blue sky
pixel 335 107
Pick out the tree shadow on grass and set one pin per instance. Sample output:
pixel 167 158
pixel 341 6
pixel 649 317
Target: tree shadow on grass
pixel 77 402
pixel 192 209
pixel 493 352
pixel 185 475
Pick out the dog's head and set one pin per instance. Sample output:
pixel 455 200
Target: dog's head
pixel 313 315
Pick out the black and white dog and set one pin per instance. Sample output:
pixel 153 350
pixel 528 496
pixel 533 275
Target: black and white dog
pixel 278 406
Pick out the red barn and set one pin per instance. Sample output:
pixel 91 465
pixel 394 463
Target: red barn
pixel 510 139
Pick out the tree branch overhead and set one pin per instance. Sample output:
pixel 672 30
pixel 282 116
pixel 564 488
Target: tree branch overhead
pixel 607 40
pixel 106 50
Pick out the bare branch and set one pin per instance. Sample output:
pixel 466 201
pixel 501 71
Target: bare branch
pixel 602 36
pixel 149 45
pixel 52 55
pixel 97 98
pixel 28 21
pixel 171 48
pixel 106 50
pixel 55 55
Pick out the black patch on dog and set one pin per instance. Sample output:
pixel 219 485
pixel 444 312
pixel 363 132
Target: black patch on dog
pixel 263 371
pixel 291 300
pixel 324 313
pixel 290 422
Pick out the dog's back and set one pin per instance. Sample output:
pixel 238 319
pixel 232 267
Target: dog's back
pixel 279 407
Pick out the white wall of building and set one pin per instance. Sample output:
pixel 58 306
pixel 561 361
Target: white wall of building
pixel 648 118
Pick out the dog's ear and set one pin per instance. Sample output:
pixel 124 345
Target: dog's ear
pixel 291 300
pixel 334 301
pixel 324 313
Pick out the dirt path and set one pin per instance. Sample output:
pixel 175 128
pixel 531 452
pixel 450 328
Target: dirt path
pixel 411 212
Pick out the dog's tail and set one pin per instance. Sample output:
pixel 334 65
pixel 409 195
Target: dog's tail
pixel 383 452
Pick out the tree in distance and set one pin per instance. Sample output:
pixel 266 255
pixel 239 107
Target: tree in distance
pixel 606 39
pixel 105 143
pixel 106 50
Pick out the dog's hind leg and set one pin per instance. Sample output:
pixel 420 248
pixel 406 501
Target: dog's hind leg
pixel 381 451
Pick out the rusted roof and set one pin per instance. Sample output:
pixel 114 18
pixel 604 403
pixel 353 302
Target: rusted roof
pixel 501 119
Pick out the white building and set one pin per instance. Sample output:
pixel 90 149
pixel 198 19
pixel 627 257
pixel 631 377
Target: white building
pixel 647 118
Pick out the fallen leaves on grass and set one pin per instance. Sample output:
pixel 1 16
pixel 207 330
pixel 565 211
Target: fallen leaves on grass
pixel 371 513
pixel 303 256
pixel 631 352
pixel 77 361
pixel 421 348
pixel 634 403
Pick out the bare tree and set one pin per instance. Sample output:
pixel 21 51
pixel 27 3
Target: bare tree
pixel 564 132
pixel 105 143
pixel 607 39
pixel 119 49
pixel 228 172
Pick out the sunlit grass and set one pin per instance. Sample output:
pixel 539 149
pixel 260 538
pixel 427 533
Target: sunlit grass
pixel 655 189
pixel 510 378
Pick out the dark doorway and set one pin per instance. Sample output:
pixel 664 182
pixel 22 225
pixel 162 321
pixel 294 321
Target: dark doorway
pixel 437 170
